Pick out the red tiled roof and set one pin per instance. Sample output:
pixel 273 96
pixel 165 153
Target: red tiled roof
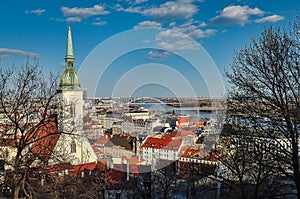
pixel 133 160
pixel 116 180
pixel 80 167
pixel 166 144
pixel 102 140
pixel 73 169
pixel 101 164
pixel 188 152
pixel 97 150
pixel 213 156
pixel 95 122
pixel 58 167
pixel 185 133
pixel 167 136
pixel 47 137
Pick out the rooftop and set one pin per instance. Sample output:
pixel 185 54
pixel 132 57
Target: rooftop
pixel 165 144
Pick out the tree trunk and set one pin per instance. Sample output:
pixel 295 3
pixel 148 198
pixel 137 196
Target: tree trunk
pixel 16 192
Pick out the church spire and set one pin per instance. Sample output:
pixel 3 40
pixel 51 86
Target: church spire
pixel 69 51
pixel 69 59
pixel 69 79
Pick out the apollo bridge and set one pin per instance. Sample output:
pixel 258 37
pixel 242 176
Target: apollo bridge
pixel 169 104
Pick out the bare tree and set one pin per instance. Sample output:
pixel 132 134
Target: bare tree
pixel 163 182
pixel 265 101
pixel 250 167
pixel 28 109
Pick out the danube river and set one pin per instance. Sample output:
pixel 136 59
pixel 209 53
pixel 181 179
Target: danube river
pixel 165 108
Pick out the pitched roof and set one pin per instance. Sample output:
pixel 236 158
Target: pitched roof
pixel 117 180
pixel 134 160
pixel 58 167
pixel 186 133
pixel 80 167
pixel 47 137
pixel 102 140
pixel 189 152
pixel 118 140
pixel 165 144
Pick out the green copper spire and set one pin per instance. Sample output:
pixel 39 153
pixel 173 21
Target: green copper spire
pixel 69 79
pixel 69 52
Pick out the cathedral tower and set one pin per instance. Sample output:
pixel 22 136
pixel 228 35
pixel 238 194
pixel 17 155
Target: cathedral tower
pixel 72 145
pixel 70 90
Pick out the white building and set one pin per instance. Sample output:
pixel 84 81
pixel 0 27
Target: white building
pixel 154 149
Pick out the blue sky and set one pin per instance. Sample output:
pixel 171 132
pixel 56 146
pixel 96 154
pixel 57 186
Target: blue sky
pixel 188 46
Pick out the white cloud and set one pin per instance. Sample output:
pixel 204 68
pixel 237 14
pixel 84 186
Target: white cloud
pixel 6 52
pixel 172 9
pixel 172 24
pixel 175 41
pixel 140 1
pixel 73 19
pixel 99 22
pixel 232 15
pixel 178 45
pixel 134 2
pixel 120 8
pixel 180 9
pixel 198 33
pixel 148 24
pixel 76 14
pixel 154 54
pixel 194 29
pixel 180 36
pixel 133 9
pixel 170 34
pixel 272 18
pixel 191 1
pixel 37 11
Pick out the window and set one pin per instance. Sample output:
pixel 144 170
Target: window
pixel 73 147
pixel 72 109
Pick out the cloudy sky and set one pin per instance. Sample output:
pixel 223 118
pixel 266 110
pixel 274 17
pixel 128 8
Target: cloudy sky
pixel 138 47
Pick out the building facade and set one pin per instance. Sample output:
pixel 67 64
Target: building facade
pixel 155 149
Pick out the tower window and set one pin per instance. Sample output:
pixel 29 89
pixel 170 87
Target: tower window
pixel 73 147
pixel 72 109
pixel 69 64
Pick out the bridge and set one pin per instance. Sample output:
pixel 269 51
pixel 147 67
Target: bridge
pixel 167 108
pixel 145 100
pixel 171 104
